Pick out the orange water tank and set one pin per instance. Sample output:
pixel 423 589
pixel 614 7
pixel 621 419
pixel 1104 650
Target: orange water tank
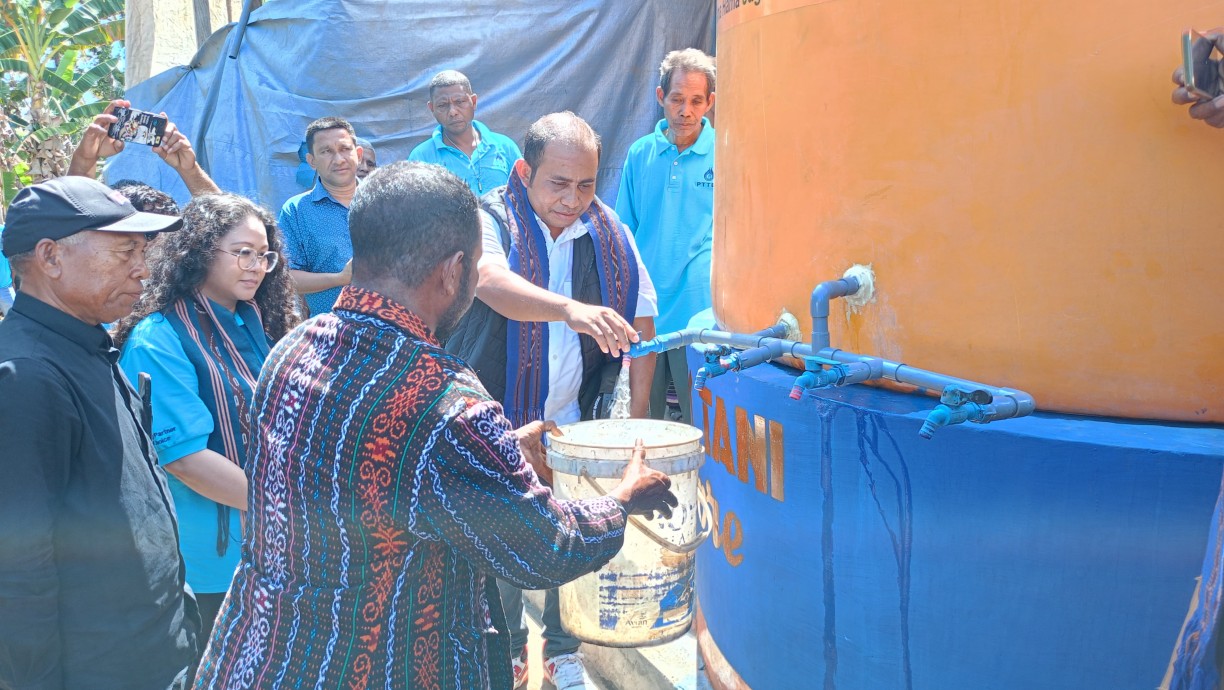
pixel 1037 213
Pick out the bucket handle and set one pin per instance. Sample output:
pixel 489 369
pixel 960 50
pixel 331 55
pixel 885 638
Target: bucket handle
pixel 649 534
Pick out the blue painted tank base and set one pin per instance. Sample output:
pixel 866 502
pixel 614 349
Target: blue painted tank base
pixel 1047 552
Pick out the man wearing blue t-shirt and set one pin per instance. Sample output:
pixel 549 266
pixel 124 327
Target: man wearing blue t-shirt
pixel 479 156
pixel 667 199
pixel 315 223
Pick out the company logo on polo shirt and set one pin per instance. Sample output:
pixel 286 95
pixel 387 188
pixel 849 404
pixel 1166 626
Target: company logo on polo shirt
pixel 709 180
pixel 710 175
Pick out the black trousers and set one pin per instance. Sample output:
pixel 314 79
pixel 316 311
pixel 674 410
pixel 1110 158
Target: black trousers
pixel 210 606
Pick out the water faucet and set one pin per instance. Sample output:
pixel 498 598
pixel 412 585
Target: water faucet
pixel 958 405
pixel 712 367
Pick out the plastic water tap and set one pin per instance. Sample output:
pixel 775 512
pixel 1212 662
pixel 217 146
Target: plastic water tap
pixel 805 381
pixel 816 376
pixel 958 405
pixel 712 367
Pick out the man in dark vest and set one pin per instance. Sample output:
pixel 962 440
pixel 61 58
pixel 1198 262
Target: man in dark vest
pixel 562 293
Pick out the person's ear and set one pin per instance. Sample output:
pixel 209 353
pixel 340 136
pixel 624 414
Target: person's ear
pixel 659 95
pixel 452 273
pixel 49 258
pixel 310 161
pixel 524 170
pixel 474 99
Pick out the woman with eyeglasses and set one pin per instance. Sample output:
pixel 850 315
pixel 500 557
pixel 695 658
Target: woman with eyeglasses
pixel 217 298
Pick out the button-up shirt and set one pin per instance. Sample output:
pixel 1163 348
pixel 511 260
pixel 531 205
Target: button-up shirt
pixel 387 490
pixel 666 198
pixel 91 583
pixel 486 169
pixel 317 239
pixel 564 350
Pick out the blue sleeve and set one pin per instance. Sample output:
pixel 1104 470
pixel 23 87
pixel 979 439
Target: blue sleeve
pixel 624 197
pixel 295 252
pixel 181 420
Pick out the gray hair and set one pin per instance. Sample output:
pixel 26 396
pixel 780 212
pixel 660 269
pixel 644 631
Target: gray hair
pixel 20 263
pixel 566 128
pixel 447 78
pixel 687 60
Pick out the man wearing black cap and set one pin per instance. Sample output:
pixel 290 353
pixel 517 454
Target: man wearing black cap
pixel 91 582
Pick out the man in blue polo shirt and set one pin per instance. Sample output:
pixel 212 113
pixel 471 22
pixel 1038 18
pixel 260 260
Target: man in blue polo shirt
pixel 315 223
pixel 479 156
pixel 667 199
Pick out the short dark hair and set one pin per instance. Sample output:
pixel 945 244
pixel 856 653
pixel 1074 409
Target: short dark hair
pixel 564 127
pixel 325 123
pixel 446 78
pixel 146 198
pixel 408 217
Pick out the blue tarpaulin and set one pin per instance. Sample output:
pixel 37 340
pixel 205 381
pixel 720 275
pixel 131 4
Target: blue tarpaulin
pixel 371 61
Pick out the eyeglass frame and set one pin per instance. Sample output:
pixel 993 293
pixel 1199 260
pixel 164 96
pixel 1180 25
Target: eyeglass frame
pixel 268 263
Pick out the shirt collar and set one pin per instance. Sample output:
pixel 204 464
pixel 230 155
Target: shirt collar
pixel 574 231
pixel 319 192
pixel 702 147
pixel 481 129
pixel 91 338
pixel 362 301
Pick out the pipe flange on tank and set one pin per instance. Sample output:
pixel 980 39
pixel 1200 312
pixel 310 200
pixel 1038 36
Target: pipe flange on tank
pixel 791 324
pixel 866 292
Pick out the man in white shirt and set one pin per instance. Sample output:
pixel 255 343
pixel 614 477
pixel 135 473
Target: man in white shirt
pixel 562 294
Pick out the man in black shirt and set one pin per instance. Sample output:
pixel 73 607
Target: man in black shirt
pixel 92 593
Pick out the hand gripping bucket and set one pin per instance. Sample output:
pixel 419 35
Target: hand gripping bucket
pixel 644 595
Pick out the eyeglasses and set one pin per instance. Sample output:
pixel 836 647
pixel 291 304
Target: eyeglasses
pixel 249 259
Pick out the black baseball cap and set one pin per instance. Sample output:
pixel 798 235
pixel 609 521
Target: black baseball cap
pixel 58 208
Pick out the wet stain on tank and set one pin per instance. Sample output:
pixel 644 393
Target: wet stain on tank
pixel 900 527
pixel 827 411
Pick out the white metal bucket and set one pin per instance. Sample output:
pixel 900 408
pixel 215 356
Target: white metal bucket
pixel 644 595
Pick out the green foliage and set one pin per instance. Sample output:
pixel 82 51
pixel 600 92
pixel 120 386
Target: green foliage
pixel 59 65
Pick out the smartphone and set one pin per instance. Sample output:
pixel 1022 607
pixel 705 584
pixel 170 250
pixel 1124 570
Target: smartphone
pixel 1201 77
pixel 138 127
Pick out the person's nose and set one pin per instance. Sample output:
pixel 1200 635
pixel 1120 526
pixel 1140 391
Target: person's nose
pixel 141 271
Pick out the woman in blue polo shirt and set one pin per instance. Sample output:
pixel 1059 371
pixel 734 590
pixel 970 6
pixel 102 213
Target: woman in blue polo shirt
pixel 217 298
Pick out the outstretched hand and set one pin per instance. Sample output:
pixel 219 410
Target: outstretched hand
pixel 643 490
pixel 1209 110
pixel 531 444
pixel 610 330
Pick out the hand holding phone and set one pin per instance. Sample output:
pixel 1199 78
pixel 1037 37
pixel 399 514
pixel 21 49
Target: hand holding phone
pixel 1198 79
pixel 137 126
